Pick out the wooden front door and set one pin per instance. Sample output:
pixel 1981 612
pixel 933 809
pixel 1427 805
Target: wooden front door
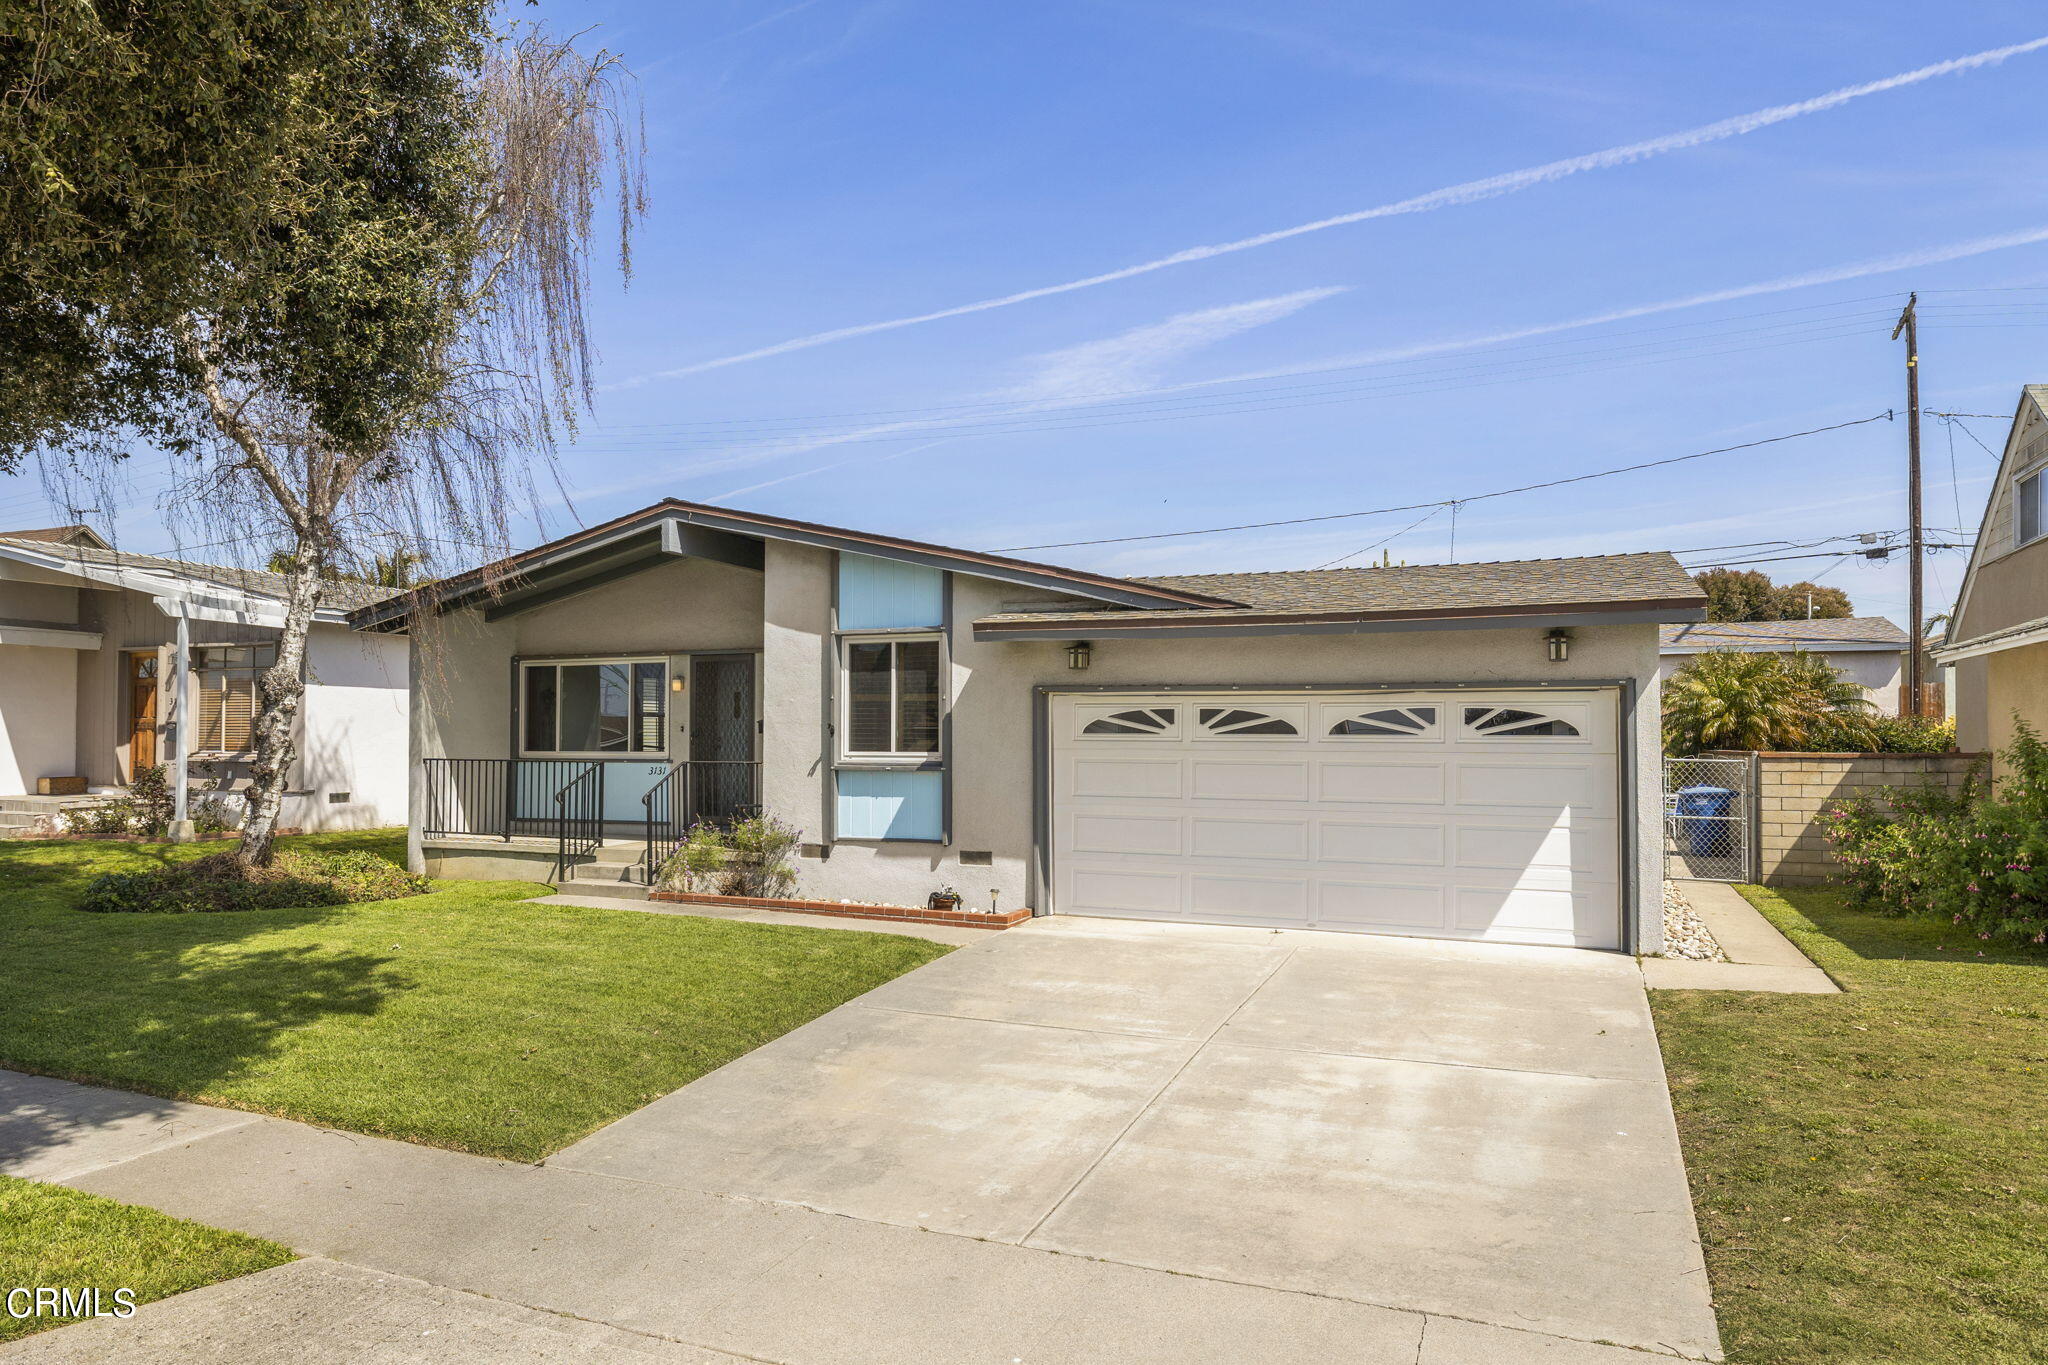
pixel 142 701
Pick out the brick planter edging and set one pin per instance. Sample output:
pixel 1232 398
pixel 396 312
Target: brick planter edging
pixel 903 914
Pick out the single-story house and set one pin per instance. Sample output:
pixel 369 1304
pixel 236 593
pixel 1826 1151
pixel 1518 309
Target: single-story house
pixel 1997 642
pixel 100 649
pixel 1867 650
pixel 1464 751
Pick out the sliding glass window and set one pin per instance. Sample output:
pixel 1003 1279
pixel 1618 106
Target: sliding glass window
pixel 617 706
pixel 893 697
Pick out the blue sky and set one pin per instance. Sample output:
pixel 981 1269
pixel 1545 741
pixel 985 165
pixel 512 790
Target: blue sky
pixel 829 164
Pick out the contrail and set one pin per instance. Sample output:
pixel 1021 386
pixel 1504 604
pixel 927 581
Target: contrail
pixel 1838 274
pixel 1471 191
pixel 1881 265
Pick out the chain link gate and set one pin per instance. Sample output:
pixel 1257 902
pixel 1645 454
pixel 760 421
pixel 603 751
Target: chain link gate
pixel 1709 819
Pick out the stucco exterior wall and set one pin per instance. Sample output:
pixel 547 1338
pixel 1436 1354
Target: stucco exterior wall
pixel 38 717
pixel 38 733
pixel 691 604
pixel 353 732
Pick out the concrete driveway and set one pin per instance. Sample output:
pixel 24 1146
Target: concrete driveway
pixel 1472 1131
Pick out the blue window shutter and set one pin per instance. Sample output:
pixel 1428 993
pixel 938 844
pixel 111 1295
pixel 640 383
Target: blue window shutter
pixel 890 805
pixel 882 594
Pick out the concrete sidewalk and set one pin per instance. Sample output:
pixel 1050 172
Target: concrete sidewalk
pixel 1759 957
pixel 760 1281
pixel 320 1312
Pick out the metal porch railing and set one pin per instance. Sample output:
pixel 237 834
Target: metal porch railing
pixel 694 793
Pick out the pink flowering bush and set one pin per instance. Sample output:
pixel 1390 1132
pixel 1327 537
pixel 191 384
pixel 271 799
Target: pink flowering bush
pixel 1978 856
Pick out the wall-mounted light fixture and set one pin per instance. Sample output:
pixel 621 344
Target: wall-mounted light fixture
pixel 1078 654
pixel 1559 645
pixel 675 684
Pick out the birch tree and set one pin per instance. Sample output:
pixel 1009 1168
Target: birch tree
pixel 380 367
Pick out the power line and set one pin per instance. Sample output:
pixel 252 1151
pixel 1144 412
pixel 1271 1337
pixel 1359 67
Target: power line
pixel 1447 502
pixel 1432 512
pixel 1881 552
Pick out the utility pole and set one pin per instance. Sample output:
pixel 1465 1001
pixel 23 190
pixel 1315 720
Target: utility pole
pixel 1909 324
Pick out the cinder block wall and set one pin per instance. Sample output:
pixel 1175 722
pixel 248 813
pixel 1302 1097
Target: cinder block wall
pixel 1792 788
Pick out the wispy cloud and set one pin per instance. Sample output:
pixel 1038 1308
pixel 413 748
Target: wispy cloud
pixel 1074 376
pixel 774 17
pixel 1880 265
pixel 863 458
pixel 1469 192
pixel 1139 358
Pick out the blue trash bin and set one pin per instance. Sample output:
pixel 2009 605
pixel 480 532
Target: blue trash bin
pixel 1706 834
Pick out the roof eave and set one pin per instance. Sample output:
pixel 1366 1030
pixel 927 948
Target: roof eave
pixel 1811 646
pixel 463 589
pixel 1180 625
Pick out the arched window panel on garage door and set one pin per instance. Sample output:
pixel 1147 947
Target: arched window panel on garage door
pixel 1382 722
pixel 1510 722
pixel 1129 722
pixel 1248 722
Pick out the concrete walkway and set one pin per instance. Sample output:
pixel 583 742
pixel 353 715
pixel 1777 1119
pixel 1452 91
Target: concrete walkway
pixel 1075 1142
pixel 1759 957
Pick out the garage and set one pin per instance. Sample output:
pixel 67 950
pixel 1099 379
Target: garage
pixel 1455 813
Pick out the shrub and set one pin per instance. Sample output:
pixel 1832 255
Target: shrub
pixel 752 857
pixel 153 801
pixel 1892 735
pixel 213 815
pixel 1978 856
pixel 1729 699
pixel 145 809
pixel 697 862
pixel 217 882
pixel 116 815
pixel 355 876
pixel 762 848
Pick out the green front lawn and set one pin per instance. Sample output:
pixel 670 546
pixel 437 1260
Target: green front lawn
pixel 1871 1169
pixel 60 1238
pixel 469 1018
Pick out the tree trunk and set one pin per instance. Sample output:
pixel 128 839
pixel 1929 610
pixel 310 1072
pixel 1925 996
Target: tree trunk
pixel 279 691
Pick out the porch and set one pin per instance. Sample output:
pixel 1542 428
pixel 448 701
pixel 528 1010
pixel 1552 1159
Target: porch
pixel 620 818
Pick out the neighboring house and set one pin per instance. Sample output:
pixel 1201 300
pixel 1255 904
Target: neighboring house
pixel 1997 640
pixel 1866 650
pixel 1461 751
pixel 90 671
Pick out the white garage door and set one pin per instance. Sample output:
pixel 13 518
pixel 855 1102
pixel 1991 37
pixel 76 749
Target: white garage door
pixel 1457 814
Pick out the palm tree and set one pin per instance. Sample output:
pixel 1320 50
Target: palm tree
pixel 1727 699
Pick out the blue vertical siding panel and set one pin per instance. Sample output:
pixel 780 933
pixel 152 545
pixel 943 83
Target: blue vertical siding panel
pixel 890 805
pixel 881 594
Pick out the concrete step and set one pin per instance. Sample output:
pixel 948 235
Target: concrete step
pixel 612 891
pixel 609 855
pixel 605 872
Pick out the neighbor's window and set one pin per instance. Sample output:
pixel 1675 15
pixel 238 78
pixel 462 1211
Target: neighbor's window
pixel 2029 493
pixel 615 707
pixel 892 697
pixel 226 710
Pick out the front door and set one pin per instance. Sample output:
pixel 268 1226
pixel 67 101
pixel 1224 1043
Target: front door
pixel 142 696
pixel 722 729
